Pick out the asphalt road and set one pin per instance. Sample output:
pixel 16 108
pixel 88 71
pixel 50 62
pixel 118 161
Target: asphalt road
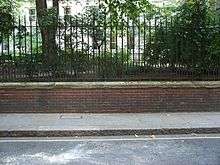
pixel 112 151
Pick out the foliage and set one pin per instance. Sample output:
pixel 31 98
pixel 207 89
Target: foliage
pixel 94 19
pixel 6 16
pixel 48 18
pixel 191 41
pixel 77 61
pixel 112 64
pixel 126 8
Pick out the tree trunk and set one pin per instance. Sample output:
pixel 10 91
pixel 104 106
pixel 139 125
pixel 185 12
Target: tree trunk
pixel 48 32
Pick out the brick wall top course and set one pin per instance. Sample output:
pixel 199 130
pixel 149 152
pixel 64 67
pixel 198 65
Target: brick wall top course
pixel 110 85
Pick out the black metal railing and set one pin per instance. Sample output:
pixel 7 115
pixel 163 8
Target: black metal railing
pixel 102 50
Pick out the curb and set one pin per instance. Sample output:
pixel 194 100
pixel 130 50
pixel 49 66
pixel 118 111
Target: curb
pixel 124 132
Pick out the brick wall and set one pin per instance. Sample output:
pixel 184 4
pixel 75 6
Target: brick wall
pixel 140 98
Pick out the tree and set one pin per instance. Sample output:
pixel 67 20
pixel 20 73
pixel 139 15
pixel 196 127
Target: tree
pixel 128 8
pixel 48 22
pixel 6 16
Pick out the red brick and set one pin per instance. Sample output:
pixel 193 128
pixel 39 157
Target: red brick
pixel 110 100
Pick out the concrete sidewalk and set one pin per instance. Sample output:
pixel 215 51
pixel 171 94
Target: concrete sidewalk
pixel 43 125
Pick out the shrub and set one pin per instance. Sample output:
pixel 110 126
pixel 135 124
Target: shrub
pixel 191 41
pixel 112 64
pixel 77 61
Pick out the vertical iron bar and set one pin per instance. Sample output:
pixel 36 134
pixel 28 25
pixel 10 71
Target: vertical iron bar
pixel 2 45
pixel 111 43
pixel 21 70
pixel 99 58
pixel 59 37
pixel 76 33
pixel 19 32
pixel 36 35
pixel 25 37
pixel 176 59
pixel 88 47
pixel 8 54
pixel 105 43
pixel 116 38
pixel 116 42
pixel 167 40
pixel 162 44
pixel 65 44
pixel 133 42
pixel 155 39
pixel 71 45
pixel 82 28
pixel 172 50
pixel 93 43
pixel 2 54
pixel 122 45
pixel 31 40
pixel 111 29
pixel 82 35
pixel 76 46
pixel 8 44
pixel 2 59
pixel 150 41
pixel 31 47
pixel 139 41
pixel 128 44
pixel 25 40
pixel 14 51
pixel 59 46
pixel 144 54
pixel 37 51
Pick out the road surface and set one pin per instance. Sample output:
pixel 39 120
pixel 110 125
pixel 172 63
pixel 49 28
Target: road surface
pixel 112 151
